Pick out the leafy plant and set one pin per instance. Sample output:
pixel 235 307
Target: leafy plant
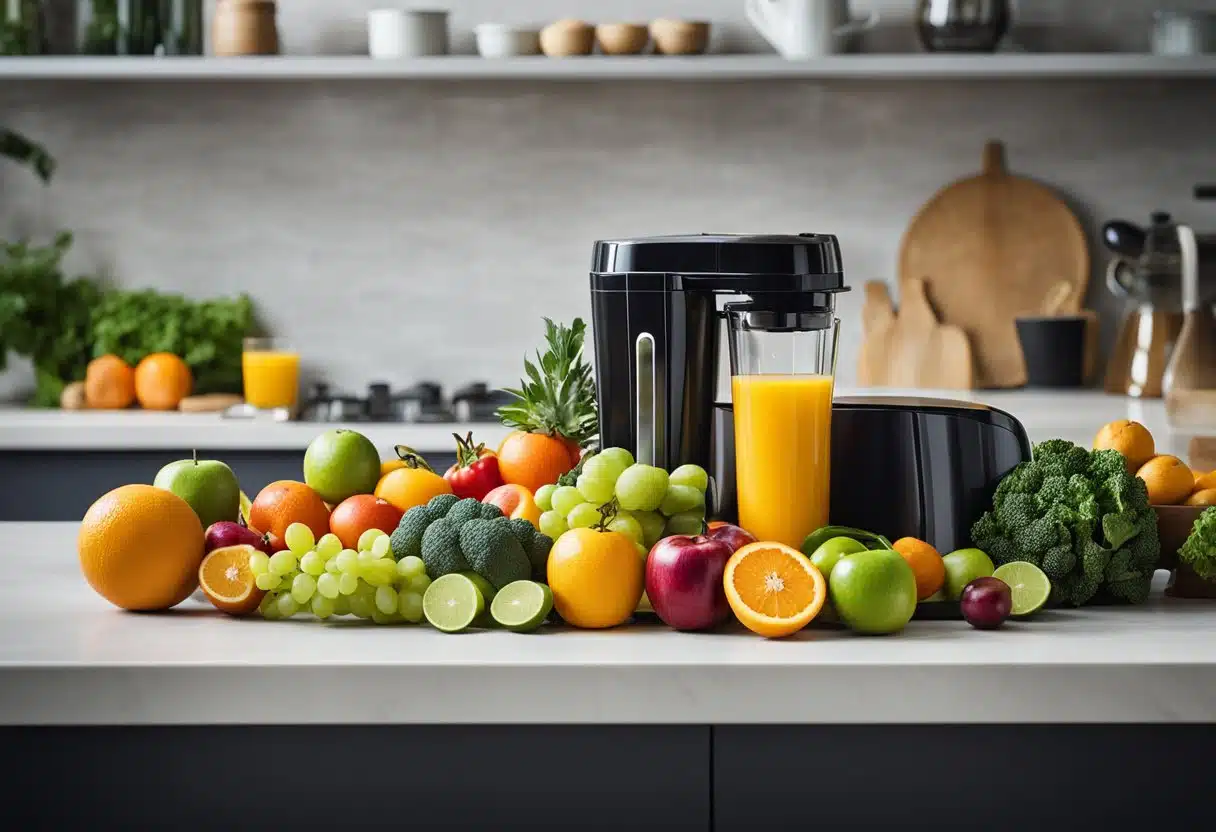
pixel 558 396
pixel 26 152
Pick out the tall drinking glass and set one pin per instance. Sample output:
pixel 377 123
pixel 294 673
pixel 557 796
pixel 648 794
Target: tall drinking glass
pixel 783 362
pixel 271 372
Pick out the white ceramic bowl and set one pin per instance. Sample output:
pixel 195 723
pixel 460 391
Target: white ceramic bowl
pixel 498 40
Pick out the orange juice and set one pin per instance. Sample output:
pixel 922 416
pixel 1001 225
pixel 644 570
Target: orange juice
pixel 272 378
pixel 783 443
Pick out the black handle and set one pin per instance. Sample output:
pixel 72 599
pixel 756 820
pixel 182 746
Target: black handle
pixel 1205 192
pixel 1123 237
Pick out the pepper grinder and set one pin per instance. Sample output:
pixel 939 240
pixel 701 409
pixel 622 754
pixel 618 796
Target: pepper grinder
pixel 1190 376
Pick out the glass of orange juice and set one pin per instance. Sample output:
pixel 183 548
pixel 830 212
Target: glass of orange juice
pixel 271 372
pixel 783 361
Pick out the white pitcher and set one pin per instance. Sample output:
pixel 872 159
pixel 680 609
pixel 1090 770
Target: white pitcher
pixel 805 28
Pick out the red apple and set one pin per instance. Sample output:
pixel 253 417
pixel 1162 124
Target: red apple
pixel 733 536
pixel 227 533
pixel 684 581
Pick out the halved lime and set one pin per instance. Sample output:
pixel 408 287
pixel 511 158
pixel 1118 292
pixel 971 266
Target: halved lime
pixel 1028 586
pixel 452 602
pixel 487 593
pixel 521 606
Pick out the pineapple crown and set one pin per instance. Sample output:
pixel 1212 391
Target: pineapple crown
pixel 557 397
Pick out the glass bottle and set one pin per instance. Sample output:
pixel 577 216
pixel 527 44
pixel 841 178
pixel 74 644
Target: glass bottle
pixel 181 27
pixel 118 27
pixel 22 28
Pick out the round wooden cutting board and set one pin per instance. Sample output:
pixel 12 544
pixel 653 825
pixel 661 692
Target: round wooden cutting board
pixel 990 248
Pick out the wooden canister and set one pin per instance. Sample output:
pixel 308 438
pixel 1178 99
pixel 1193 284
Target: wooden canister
pixel 244 27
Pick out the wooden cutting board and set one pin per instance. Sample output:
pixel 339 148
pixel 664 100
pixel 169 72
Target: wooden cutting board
pixel 989 248
pixel 910 349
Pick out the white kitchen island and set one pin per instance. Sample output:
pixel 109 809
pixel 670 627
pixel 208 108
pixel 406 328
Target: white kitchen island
pixel 636 727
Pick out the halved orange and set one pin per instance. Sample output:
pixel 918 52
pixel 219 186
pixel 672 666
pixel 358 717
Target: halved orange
pixel 228 582
pixel 773 589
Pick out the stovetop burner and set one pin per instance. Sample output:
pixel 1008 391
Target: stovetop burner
pixel 422 403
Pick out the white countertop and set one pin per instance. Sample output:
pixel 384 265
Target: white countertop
pixel 1069 415
pixel 68 658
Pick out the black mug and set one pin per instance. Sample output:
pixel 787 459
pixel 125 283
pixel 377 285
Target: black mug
pixel 1054 350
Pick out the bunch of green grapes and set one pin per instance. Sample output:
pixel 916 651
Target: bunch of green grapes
pixel 322 578
pixel 650 503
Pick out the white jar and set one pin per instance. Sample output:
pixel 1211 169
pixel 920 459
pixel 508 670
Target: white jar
pixel 406 33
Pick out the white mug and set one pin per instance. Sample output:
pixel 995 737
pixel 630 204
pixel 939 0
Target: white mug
pixel 805 28
pixel 400 33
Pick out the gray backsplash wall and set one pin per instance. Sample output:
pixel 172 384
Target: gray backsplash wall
pixel 403 230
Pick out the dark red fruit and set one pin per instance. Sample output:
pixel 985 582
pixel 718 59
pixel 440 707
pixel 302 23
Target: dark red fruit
pixel 986 603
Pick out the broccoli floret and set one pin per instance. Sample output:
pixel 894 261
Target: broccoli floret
pixel 407 538
pixel 1199 551
pixel 489 511
pixel 463 511
pixel 1058 562
pixel 441 504
pixel 535 545
pixel 491 549
pixel 1017 511
pixel 1061 457
pixel 1121 527
pixel 441 550
pixel 1040 536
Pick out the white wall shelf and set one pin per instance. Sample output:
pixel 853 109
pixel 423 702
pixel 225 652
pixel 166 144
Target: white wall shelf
pixel 597 68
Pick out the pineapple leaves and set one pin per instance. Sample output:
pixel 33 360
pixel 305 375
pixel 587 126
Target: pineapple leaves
pixel 557 395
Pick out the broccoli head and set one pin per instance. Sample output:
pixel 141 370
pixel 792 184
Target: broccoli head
pixel 1081 518
pixel 1199 551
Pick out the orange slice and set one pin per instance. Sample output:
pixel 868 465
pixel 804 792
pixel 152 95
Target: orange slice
pixel 773 589
pixel 227 581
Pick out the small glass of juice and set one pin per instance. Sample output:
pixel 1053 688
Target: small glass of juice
pixel 271 372
pixel 782 361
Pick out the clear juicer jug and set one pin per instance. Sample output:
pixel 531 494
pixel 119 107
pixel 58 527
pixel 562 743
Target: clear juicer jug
pixel 783 364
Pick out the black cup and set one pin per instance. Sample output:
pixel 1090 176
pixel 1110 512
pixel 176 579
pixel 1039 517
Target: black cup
pixel 1054 349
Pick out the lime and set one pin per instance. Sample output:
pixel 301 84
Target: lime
pixel 452 603
pixel 1028 585
pixel 832 550
pixel 521 606
pixel 341 463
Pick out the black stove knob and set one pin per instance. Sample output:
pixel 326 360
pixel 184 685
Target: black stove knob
pixel 475 392
pixel 429 393
pixel 379 402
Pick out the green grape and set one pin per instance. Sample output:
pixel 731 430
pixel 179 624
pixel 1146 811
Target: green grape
pixel 267 581
pixel 565 499
pixel 281 563
pixel 348 583
pixel 381 546
pixel 287 606
pixel 544 497
pixel 419 583
pixel 691 524
pixel 596 490
pixel 385 618
pixel 259 563
pixel 322 607
pixel 693 476
pixel 410 565
pixel 641 488
pixel 269 606
pixel 380 573
pixel 361 606
pixel 553 524
pixel 629 527
pixel 312 564
pixel 682 499
pixel 342 605
pixel 652 525
pixel 347 560
pixel 618 457
pixel 328 546
pixel 386 600
pixel 409 606
pixel 299 538
pixel 367 556
pixel 303 587
pixel 332 568
pixel 327 585
pixel 368 538
pixel 584 516
pixel 602 467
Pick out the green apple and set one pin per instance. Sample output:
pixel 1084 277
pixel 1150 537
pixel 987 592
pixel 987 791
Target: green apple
pixel 341 463
pixel 208 485
pixel 832 550
pixel 874 591
pixel 962 567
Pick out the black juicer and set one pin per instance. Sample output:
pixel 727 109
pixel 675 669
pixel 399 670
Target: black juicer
pixel 657 327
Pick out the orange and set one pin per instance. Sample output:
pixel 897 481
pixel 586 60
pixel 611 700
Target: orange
pixel 355 515
pixel 926 563
pixel 1206 497
pixel 1169 481
pixel 284 502
pixel 534 459
pixel 408 487
pixel 1205 481
pixel 596 578
pixel 227 581
pixel 140 548
pixel 162 380
pixel 1129 438
pixel 109 383
pixel 515 501
pixel 773 589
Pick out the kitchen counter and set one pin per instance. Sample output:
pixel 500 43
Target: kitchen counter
pixel 1070 415
pixel 68 658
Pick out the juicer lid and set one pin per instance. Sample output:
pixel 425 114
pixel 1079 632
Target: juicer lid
pixel 728 256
